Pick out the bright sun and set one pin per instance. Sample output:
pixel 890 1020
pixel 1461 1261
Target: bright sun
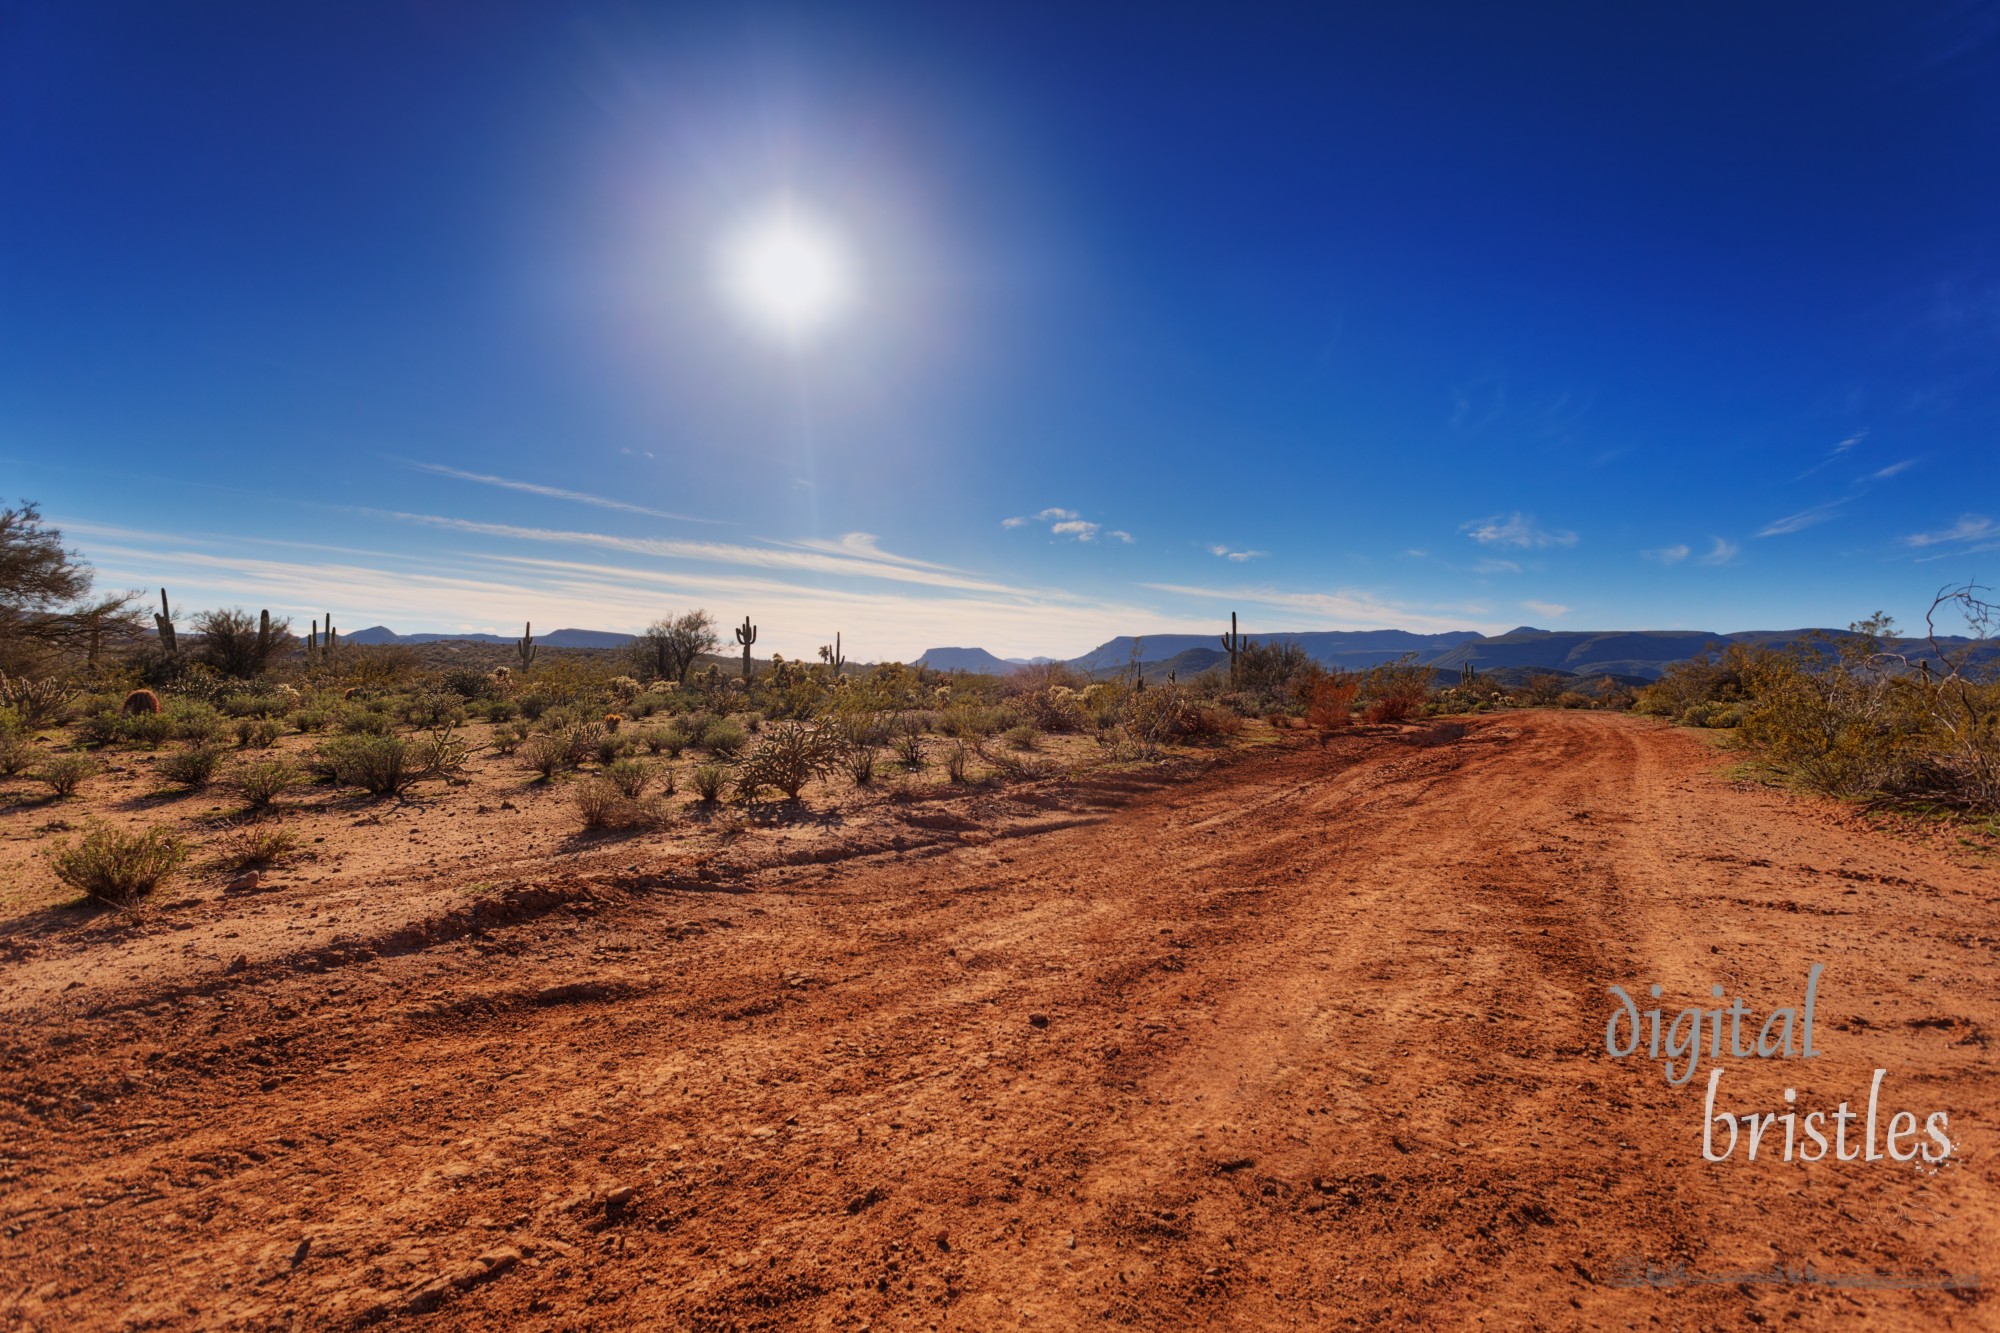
pixel 788 274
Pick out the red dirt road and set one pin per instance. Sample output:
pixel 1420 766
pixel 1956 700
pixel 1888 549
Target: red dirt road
pixel 1314 1039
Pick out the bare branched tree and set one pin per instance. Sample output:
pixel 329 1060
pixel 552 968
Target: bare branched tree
pixel 47 612
pixel 669 647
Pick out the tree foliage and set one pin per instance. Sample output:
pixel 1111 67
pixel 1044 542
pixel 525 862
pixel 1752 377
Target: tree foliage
pixel 47 612
pixel 668 648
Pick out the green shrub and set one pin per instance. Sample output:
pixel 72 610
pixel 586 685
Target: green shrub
pixel 262 781
pixel 1024 737
pixel 630 776
pixel 909 749
pixel 117 867
pixel 508 736
pixel 708 781
pixel 613 747
pixel 724 738
pixel 314 718
pixel 366 720
pixel 191 767
pixel 433 709
pixel 258 733
pixel 603 804
pixel 16 753
pixel 194 720
pixel 64 773
pixel 390 765
pixel 255 705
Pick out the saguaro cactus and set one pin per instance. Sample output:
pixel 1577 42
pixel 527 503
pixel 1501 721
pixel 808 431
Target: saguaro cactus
pixel 746 634
pixel 830 654
pixel 1234 643
pixel 1465 673
pixel 263 636
pixel 164 618
pixel 524 647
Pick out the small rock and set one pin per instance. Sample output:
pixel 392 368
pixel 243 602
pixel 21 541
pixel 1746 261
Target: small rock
pixel 619 1197
pixel 1039 1020
pixel 246 882
pixel 299 1255
pixel 240 963
pixel 1069 1241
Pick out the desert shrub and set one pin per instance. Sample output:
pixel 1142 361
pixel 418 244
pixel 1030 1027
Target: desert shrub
pixel 262 781
pixel 102 728
pixel 611 748
pixel 501 710
pixel 1716 676
pixel 1396 690
pixel 790 755
pixel 366 720
pixel 1024 737
pixel 724 737
pixel 1330 701
pixel 653 739
pixel 140 701
pixel 380 765
pixel 613 721
pixel 508 736
pixel 1168 713
pixel 246 704
pixel 1058 708
pixel 860 764
pixel 546 756
pixel 630 776
pixel 117 867
pixel 16 754
pixel 1572 699
pixel 258 733
pixel 433 709
pixel 64 773
pixel 973 722
pixel 957 761
pixel 314 718
pixel 908 747
pixel 602 804
pixel 1544 687
pixel 467 683
pixel 237 644
pixel 1267 670
pixel 708 781
pixel 533 704
pixel 191 767
pixel 194 720
pixel 255 846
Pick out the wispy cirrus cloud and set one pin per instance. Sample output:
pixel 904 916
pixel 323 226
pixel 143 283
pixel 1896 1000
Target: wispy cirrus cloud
pixel 1553 610
pixel 553 492
pixel 1669 555
pixel 1489 565
pixel 1720 552
pixel 1969 528
pixel 1342 609
pixel 1803 519
pixel 1516 530
pixel 1223 550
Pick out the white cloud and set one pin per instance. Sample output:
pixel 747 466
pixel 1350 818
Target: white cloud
pixel 1553 610
pixel 1668 555
pixel 553 492
pixel 1345 609
pixel 1515 530
pixel 1883 474
pixel 1721 552
pixel 1240 557
pixel 1970 527
pixel 1068 523
pixel 1416 554
pixel 1799 522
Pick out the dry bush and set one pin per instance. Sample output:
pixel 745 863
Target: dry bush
pixel 1396 690
pixel 117 867
pixel 64 773
pixel 263 781
pixel 958 761
pixel 192 767
pixel 16 754
pixel 604 804
pixel 1330 703
pixel 708 781
pixel 861 765
pixel 254 846
pixel 629 776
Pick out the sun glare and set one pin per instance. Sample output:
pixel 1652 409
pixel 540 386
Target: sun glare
pixel 789 275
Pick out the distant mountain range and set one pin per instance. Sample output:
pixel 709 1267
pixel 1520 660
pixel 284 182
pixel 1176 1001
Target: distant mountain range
pixel 1641 654
pixel 560 638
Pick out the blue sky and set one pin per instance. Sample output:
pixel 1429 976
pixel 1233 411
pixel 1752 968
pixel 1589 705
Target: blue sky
pixel 1579 315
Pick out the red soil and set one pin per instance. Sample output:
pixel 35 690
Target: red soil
pixel 1314 1038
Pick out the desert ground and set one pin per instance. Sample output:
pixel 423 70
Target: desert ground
pixel 1309 1034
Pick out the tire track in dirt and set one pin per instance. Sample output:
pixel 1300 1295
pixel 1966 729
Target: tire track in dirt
pixel 1314 1040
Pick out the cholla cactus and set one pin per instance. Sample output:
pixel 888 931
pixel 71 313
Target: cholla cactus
pixel 625 687
pixel 37 701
